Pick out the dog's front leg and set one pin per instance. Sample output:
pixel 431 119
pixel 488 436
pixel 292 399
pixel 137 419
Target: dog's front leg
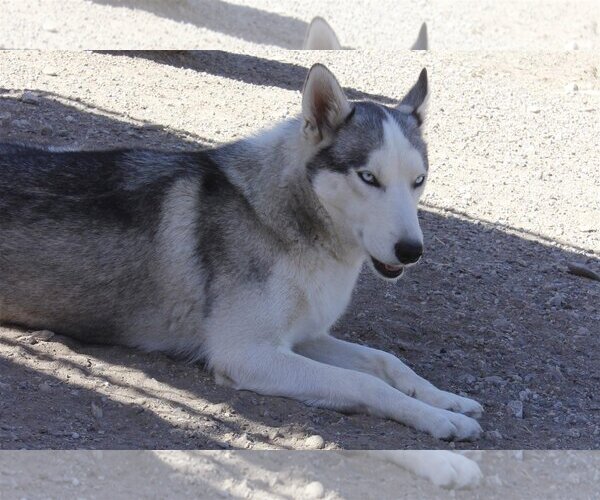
pixel 336 352
pixel 278 371
pixel 446 469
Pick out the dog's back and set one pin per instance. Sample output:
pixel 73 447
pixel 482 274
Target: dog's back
pixel 76 229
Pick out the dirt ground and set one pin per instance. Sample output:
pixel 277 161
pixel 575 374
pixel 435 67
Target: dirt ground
pixel 491 312
pixel 284 475
pixel 248 25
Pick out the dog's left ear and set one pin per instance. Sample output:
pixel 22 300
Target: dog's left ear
pixel 324 105
pixel 415 102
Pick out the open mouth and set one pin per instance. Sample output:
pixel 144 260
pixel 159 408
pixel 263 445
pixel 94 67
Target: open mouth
pixel 386 270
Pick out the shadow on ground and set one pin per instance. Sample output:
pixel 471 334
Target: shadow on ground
pixel 242 67
pixel 488 312
pixel 284 475
pixel 239 21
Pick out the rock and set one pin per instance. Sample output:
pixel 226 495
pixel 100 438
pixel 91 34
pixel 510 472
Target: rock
pixel 315 442
pixel 571 87
pixel 583 331
pixel 494 435
pixel 494 480
pixel 314 490
pixel 494 379
pixel 49 71
pixel 525 395
pixel 46 130
pixel 467 378
pixel 583 271
pixel 574 433
pixel 20 123
pixel 75 435
pixel 29 97
pixel 572 46
pixel 97 411
pixel 39 336
pixel 557 300
pixel 502 324
pixel 50 27
pixel 45 387
pixel 515 408
pixel 534 109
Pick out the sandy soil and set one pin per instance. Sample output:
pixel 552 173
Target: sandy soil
pixel 283 475
pixel 492 310
pixel 248 25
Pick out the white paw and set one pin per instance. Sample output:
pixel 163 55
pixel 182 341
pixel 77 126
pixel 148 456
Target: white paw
pixel 443 424
pixel 451 402
pixel 451 470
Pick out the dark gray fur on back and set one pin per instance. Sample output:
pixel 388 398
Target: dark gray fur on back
pixel 78 229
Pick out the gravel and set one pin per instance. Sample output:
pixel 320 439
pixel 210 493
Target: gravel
pixel 512 201
pixel 249 25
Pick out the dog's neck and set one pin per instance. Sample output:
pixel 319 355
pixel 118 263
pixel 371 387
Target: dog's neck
pixel 270 170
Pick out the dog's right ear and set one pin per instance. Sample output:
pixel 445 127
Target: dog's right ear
pixel 320 36
pixel 324 105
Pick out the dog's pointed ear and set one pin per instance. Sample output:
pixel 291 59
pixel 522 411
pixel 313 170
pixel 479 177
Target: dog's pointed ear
pixel 422 41
pixel 324 105
pixel 320 36
pixel 415 102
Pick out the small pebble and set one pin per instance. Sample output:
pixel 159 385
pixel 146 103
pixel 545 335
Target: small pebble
pixel 467 378
pixel 571 87
pixel 494 379
pixel 315 442
pixel 314 490
pixel 572 46
pixel 525 395
pixel 29 97
pixel 45 387
pixel 75 435
pixel 557 300
pixel 20 123
pixel 49 71
pixel 494 435
pixel 274 434
pixel 515 408
pixel 49 27
pixel 97 411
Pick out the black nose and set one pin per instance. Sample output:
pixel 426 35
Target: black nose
pixel 408 252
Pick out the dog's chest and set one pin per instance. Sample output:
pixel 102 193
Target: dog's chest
pixel 322 298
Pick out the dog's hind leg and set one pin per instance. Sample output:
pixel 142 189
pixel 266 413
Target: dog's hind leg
pixel 389 368
pixel 277 371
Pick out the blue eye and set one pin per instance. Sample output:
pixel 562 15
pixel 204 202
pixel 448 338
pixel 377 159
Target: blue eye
pixel 419 181
pixel 368 178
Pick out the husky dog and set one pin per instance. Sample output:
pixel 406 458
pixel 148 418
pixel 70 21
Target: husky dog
pixel 244 255
pixel 321 36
